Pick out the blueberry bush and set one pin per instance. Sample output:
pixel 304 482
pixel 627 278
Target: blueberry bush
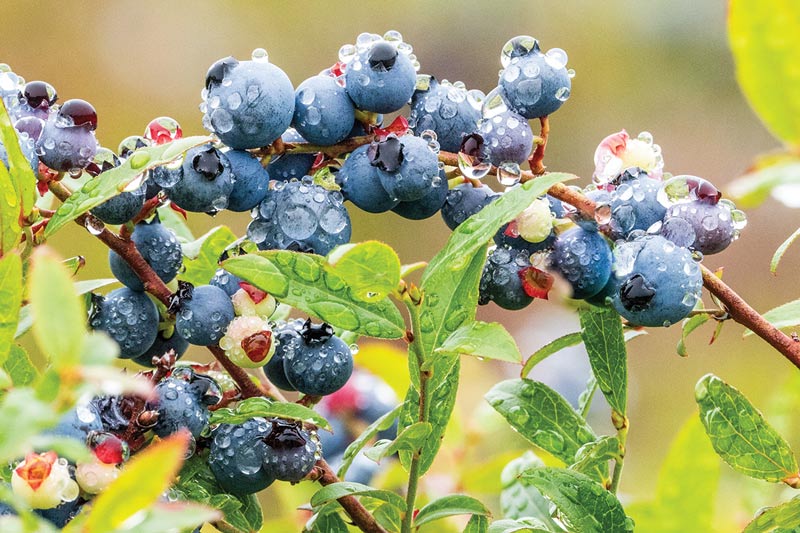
pixel 173 445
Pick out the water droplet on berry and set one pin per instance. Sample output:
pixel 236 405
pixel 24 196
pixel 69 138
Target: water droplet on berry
pixel 518 46
pixel 473 160
pixel 556 58
pixel 508 173
pixel 260 55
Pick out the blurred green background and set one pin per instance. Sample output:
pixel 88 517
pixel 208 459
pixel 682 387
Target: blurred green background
pixel 660 65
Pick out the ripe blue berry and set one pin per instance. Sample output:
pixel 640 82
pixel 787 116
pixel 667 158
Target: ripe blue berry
pixel 129 317
pixel 407 167
pixel 583 258
pixel 446 109
pixel 507 136
pixel 127 204
pixel 698 225
pixel 658 283
pixel 428 205
pixel 301 216
pixel 203 318
pixel 225 281
pixel 286 335
pixel 237 456
pixel 291 451
pixel 78 422
pixel 67 142
pixel 361 185
pixel 290 166
pixel 634 203
pixel 202 183
pixel 179 406
pixel 501 280
pixel 250 180
pixel 160 249
pixel 247 104
pixel 465 200
pixel 316 361
pixel 381 77
pixel 323 113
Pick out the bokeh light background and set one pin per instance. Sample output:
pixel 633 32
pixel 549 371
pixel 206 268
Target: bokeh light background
pixel 660 65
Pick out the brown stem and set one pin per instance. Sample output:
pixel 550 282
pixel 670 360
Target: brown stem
pixel 279 147
pixel 361 517
pixel 246 385
pixel 536 160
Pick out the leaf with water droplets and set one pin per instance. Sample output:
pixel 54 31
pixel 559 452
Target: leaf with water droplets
pixel 592 458
pixel 484 340
pixel 335 491
pixel 519 499
pixel 59 316
pixel 201 256
pixel 302 281
pixel 371 268
pixel 522 525
pixel 601 329
pixel 451 505
pixel 381 424
pixel 764 37
pixel 542 416
pixel 114 181
pixel 409 439
pixel 10 230
pixel 20 171
pixel 741 436
pixel 783 518
pixel 252 407
pixel 10 300
pixel 19 367
pixel 586 505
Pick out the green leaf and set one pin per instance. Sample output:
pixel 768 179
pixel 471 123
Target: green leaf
pixel 587 506
pixel 302 281
pixel 765 64
pixel 407 270
pixel 22 404
pixel 565 341
pixel 522 525
pixel 141 482
pixel 22 175
pixel 542 416
pixel 773 265
pixel 409 439
pixel 59 316
pixel 740 435
pixel 381 424
pixel 169 517
pixel 388 516
pixel 371 268
pixel 601 329
pixel 691 467
pixel 519 498
pixel 688 326
pixel 114 181
pixel 477 524
pixel 592 458
pixel 482 339
pixel 753 188
pixel 451 505
pixel 783 316
pixel 201 257
pixel 173 220
pixel 10 300
pixel 10 229
pixel 335 491
pixel 329 523
pixel 785 516
pixel 262 407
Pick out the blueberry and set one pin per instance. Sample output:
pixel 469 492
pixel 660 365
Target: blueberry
pixel 248 104
pixel 465 200
pixel 508 137
pixel 361 185
pixel 159 247
pixel 27 142
pixel 286 335
pixel 78 422
pixel 447 110
pixel 634 204
pixel 66 145
pixel 536 85
pixel 317 362
pixel 658 283
pixel 129 317
pixel 202 183
pixel 291 451
pixel 61 514
pixel 301 216
pixel 408 171
pixel 699 225
pixel 203 318
pixel 179 407
pixel 323 113
pixel 583 258
pixel 225 281
pixel 428 205
pixel 501 280
pixel 251 180
pixel 290 166
pixel 161 346
pixel 36 99
pixel 237 456
pixel 380 78
pixel 121 208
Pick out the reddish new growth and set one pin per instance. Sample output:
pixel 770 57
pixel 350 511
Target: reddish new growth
pixel 256 294
pixel 36 468
pixel 536 283
pixel 257 346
